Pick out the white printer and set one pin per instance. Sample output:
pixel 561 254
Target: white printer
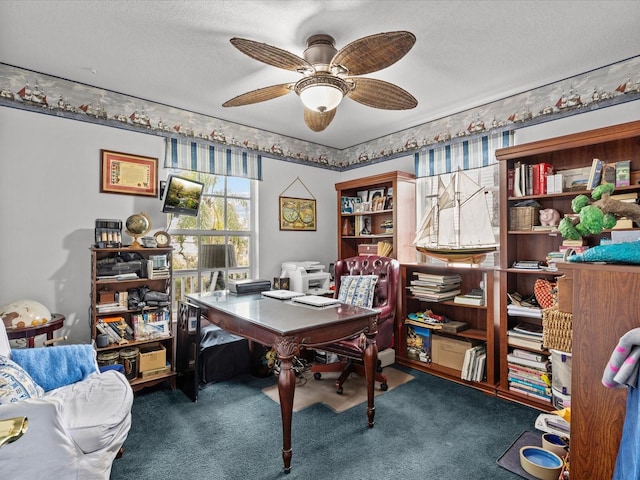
pixel 307 277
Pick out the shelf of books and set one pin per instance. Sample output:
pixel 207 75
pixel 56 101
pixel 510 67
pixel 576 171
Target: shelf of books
pixel 541 183
pixel 446 325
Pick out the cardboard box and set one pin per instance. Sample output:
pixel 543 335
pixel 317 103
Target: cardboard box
pixel 152 357
pixel 368 249
pixel 449 352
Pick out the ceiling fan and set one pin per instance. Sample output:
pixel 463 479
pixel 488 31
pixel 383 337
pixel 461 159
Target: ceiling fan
pixel 330 74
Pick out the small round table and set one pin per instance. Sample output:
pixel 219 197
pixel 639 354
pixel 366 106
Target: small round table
pixel 56 323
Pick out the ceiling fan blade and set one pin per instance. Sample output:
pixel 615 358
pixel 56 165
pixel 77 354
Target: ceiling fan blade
pixel 373 53
pixel 317 121
pixel 272 55
pixel 380 94
pixel 259 95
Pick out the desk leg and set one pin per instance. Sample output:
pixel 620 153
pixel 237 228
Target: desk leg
pixel 370 361
pixel 286 389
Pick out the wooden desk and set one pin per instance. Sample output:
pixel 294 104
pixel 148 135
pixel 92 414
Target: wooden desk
pixel 288 327
pixel 56 323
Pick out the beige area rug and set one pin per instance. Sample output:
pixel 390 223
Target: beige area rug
pixel 310 391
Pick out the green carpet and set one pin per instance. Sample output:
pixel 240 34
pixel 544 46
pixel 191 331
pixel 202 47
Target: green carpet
pixel 428 428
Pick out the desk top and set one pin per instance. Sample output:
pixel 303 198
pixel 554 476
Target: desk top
pixel 282 317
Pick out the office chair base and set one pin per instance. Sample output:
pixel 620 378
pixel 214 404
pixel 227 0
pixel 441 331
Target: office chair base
pixel 347 368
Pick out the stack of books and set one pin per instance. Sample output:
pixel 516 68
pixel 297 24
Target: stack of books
pixel 473 366
pixel 524 311
pixel 526 335
pixel 474 297
pixel 159 272
pixel 529 374
pixel 119 303
pixel 528 264
pixel 573 246
pixel 435 288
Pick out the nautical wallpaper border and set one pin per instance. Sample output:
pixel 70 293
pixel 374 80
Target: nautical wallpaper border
pixel 38 92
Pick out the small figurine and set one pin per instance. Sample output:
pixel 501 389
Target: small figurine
pixel 549 217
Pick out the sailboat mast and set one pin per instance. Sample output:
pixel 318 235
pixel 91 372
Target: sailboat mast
pixel 456 217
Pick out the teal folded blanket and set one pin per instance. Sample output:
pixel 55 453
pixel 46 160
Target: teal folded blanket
pixel 54 367
pixel 628 253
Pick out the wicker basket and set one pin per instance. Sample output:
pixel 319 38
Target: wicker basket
pixel 522 218
pixel 557 329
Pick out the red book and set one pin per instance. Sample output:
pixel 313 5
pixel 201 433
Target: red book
pixel 540 172
pixel 510 182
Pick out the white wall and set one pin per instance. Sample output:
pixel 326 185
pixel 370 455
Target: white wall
pixel 278 246
pixel 49 201
pixel 604 117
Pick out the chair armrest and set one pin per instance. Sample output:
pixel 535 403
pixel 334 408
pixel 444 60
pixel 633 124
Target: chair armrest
pixel 385 313
pixel 46 443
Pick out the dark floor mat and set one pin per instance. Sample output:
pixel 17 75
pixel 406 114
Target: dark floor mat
pixel 510 459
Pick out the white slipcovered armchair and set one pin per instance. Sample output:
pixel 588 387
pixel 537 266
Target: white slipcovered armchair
pixel 75 430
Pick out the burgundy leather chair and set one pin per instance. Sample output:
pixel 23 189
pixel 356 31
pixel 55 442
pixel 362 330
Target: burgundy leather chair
pixel 385 299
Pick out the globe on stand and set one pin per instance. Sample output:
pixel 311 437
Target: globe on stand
pixel 137 225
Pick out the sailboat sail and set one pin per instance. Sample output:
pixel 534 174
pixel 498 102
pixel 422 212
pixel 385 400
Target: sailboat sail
pixel 458 222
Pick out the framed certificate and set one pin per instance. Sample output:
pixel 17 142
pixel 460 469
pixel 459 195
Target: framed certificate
pixel 128 174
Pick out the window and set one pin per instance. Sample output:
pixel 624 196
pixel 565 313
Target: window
pixel 220 243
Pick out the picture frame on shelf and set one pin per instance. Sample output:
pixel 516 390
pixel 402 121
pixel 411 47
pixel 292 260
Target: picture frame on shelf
pixel 128 174
pixel 364 195
pixel 348 204
pixel 377 199
pixel 365 225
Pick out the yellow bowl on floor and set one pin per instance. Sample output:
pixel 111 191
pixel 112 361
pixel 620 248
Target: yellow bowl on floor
pixel 540 463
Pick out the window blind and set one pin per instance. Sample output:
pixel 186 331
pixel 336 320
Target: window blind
pixel 215 159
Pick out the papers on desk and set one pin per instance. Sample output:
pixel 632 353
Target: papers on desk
pixel 282 294
pixel 316 301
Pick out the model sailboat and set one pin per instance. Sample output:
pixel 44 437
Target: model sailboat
pixel 457 228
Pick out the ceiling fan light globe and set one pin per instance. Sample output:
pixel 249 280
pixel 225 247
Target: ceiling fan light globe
pixel 321 98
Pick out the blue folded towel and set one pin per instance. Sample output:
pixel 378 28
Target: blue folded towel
pixel 53 367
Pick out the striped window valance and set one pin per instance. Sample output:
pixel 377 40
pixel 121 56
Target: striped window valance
pixel 215 159
pixel 466 154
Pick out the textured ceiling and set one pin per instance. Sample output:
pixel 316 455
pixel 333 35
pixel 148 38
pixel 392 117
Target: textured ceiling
pixel 178 53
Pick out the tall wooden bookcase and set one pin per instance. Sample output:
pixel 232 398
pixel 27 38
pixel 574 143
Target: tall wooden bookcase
pixel 112 287
pixel 605 300
pixel 400 215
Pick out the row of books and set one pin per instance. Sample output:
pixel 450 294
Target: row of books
pixel 435 288
pixel 526 179
pixel 617 173
pixel 474 363
pixel 152 324
pixel 530 374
